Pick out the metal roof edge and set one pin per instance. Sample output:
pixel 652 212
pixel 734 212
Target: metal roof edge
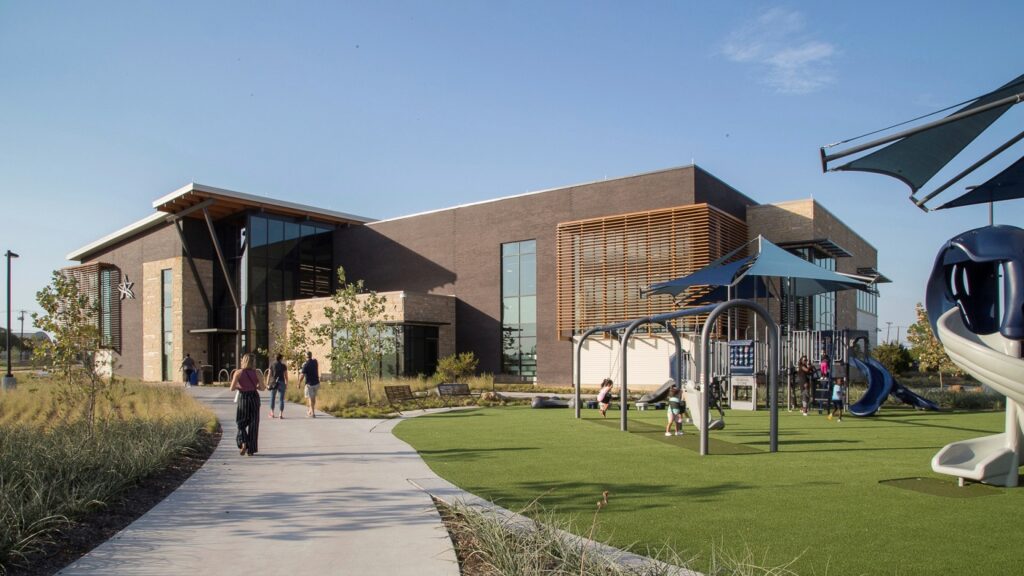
pixel 113 238
pixel 197 187
pixel 513 196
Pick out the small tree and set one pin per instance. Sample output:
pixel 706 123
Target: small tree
pixel 70 317
pixel 456 367
pixel 930 354
pixel 294 342
pixel 894 356
pixel 356 327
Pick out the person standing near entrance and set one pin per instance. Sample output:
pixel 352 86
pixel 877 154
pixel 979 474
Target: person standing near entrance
pixel 311 375
pixel 247 416
pixel 803 382
pixel 188 366
pixel 278 383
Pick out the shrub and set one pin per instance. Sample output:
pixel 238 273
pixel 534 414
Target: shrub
pixel 457 367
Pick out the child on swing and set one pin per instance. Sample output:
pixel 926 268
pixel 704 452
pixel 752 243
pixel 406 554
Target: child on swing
pixel 604 397
pixel 676 407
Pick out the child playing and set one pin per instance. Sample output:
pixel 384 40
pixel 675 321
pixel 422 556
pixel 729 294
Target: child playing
pixel 604 397
pixel 676 406
pixel 838 393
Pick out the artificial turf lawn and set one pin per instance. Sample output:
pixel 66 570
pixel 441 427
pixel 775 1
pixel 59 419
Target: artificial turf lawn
pixel 839 497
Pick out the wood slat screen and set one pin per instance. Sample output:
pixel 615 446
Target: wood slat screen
pixel 602 263
pixel 99 282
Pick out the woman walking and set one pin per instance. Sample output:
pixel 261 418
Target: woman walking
pixel 247 417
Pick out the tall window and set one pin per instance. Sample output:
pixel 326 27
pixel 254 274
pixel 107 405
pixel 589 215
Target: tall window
pixel 288 260
pixel 816 312
pixel 167 323
pixel 519 308
pixel 867 302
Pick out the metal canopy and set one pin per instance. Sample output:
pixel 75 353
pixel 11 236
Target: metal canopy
pixel 805 278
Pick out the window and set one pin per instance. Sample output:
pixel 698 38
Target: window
pixel 867 302
pixel 519 308
pixel 167 323
pixel 288 260
pixel 816 312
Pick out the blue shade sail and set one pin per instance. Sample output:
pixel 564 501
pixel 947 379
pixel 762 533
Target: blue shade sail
pixel 915 159
pixel 1007 185
pixel 806 278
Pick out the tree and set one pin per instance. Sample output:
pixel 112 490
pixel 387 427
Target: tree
pixel 70 317
pixel 894 356
pixel 356 327
pixel 930 354
pixel 299 338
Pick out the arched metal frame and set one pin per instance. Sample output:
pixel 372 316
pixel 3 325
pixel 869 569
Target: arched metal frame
pixel 773 369
pixel 631 326
pixel 713 311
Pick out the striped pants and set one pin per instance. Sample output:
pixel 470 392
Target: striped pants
pixel 248 419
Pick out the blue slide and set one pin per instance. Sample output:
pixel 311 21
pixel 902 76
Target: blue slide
pixel 880 385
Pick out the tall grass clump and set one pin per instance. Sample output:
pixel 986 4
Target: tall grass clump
pixel 490 543
pixel 349 399
pixel 61 462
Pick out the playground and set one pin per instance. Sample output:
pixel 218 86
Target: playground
pixel 851 497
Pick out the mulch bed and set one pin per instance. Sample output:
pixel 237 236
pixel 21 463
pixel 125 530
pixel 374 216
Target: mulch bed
pixel 84 534
pixel 465 543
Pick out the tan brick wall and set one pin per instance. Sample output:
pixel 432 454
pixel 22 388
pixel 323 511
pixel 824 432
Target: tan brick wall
pixel 802 220
pixel 399 307
pixel 193 311
pixel 189 313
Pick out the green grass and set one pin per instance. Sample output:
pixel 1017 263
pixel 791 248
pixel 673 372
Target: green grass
pixel 836 497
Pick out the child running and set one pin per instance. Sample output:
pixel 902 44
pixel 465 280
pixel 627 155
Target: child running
pixel 604 397
pixel 675 412
pixel 838 393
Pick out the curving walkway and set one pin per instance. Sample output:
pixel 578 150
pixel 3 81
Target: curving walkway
pixel 324 496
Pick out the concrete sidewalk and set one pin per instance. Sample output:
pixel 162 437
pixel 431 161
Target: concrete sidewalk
pixel 323 496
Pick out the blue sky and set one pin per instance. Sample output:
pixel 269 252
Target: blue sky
pixel 390 108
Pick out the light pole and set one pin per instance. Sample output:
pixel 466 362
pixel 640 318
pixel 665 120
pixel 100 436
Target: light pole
pixel 9 381
pixel 888 327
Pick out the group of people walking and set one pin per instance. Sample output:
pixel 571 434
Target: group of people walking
pixel 806 377
pixel 248 382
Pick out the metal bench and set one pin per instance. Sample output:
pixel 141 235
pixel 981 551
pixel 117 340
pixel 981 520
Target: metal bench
pixel 449 391
pixel 397 395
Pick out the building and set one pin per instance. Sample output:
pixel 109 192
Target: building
pixel 511 279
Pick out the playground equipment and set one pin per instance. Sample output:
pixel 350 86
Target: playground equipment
pixel 979 319
pixel 713 312
pixel 880 385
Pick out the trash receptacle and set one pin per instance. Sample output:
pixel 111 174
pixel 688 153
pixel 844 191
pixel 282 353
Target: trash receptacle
pixel 207 373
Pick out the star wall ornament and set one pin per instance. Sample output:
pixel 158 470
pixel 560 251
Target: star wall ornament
pixel 125 288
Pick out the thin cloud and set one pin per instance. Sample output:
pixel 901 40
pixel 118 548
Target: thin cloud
pixel 777 42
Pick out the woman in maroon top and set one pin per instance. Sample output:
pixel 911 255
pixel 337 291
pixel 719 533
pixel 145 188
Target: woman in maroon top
pixel 248 382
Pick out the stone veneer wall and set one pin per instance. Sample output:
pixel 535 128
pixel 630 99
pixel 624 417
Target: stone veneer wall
pixel 189 313
pixel 400 307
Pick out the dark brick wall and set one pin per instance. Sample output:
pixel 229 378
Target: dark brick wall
pixel 458 251
pixel 155 244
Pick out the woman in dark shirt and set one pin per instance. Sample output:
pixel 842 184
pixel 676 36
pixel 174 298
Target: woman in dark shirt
pixel 247 381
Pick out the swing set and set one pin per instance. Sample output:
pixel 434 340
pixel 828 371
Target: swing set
pixel 713 311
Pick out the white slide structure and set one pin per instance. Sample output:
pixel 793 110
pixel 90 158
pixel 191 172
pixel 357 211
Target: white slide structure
pixel 995 361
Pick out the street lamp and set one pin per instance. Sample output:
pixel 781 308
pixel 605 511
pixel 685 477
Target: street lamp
pixel 9 381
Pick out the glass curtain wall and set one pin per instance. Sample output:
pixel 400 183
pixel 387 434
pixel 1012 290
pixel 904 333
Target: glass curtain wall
pixel 816 312
pixel 519 308
pixel 288 260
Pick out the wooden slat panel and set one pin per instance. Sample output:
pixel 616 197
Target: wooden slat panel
pixel 602 263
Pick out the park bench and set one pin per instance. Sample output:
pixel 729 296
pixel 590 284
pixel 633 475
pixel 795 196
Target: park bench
pixel 449 391
pixel 398 395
